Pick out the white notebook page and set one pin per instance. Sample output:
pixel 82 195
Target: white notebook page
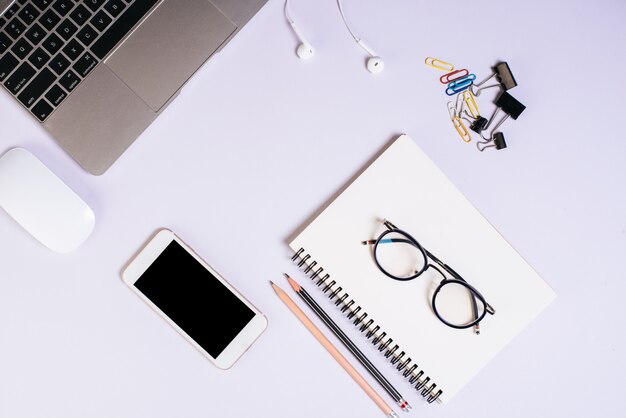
pixel 406 188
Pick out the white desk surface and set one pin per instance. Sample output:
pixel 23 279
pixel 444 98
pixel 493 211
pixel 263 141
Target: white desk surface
pixel 254 145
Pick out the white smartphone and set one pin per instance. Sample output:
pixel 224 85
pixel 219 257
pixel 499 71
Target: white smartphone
pixel 194 299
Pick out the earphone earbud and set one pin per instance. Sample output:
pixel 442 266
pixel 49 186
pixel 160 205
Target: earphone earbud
pixel 375 65
pixel 305 51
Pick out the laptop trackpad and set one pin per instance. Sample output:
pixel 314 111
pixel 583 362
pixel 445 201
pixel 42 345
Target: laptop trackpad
pixel 165 51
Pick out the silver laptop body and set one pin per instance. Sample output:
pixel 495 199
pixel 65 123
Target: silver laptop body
pixel 96 73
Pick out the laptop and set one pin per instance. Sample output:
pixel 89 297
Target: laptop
pixel 96 73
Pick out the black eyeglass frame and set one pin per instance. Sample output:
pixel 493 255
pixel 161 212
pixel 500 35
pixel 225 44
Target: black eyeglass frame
pixel 457 279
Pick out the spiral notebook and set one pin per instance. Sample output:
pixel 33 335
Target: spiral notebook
pixel 405 187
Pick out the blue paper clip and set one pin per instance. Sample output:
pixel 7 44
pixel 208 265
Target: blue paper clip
pixel 460 85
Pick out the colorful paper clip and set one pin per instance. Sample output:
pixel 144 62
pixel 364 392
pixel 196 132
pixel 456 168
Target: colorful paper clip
pixel 458 123
pixel 453 76
pixel 470 101
pixel 462 129
pixel 460 85
pixel 438 64
pixel 477 122
pixel 452 110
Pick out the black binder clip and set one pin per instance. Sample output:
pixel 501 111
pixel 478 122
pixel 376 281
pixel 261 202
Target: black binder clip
pixel 498 142
pixel 512 108
pixel 479 124
pixel 509 105
pixel 503 74
pixel 470 112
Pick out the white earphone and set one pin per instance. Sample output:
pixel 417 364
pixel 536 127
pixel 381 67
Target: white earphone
pixel 305 49
pixel 375 64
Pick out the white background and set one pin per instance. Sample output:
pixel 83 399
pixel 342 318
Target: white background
pixel 259 140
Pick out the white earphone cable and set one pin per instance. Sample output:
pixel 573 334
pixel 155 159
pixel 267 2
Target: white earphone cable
pixel 287 14
pixel 358 40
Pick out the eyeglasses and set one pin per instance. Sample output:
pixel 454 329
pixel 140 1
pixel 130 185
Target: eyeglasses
pixel 455 302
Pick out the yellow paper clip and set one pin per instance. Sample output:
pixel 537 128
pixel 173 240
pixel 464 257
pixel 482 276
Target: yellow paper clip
pixel 470 101
pixel 461 129
pixel 438 64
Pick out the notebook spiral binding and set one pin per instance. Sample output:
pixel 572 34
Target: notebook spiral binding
pixel 408 368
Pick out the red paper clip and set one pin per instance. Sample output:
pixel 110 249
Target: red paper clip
pixel 454 75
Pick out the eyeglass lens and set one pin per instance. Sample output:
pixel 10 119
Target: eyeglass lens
pixel 455 305
pixel 398 255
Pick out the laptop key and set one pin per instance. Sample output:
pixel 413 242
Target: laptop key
pixel 73 49
pixel 56 95
pixel 39 58
pixel 11 12
pixel 49 19
pixel 22 48
pixel 85 64
pixel 94 4
pixel 63 7
pixel 37 87
pixel 7 65
pixel 35 34
pixel 59 64
pixel 52 44
pixel 80 15
pixel 19 78
pixel 42 110
pixel 87 35
pixel 131 16
pixel 28 14
pixel 69 81
pixel 114 7
pixel 42 4
pixel 15 28
pixel 66 29
pixel 101 20
pixel 5 43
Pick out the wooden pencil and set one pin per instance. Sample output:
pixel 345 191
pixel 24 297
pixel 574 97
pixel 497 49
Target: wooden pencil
pixel 308 299
pixel 369 390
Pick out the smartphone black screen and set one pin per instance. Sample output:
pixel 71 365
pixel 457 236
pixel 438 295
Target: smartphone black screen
pixel 194 299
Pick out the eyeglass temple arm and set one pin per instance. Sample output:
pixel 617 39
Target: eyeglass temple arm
pixel 390 227
pixel 386 241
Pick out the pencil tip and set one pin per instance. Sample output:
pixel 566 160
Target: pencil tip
pixel 272 283
pixel 286 275
pixel 295 286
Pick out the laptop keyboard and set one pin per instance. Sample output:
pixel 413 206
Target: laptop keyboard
pixel 47 47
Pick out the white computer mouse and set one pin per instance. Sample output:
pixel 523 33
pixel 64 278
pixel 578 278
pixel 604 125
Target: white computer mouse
pixel 41 203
